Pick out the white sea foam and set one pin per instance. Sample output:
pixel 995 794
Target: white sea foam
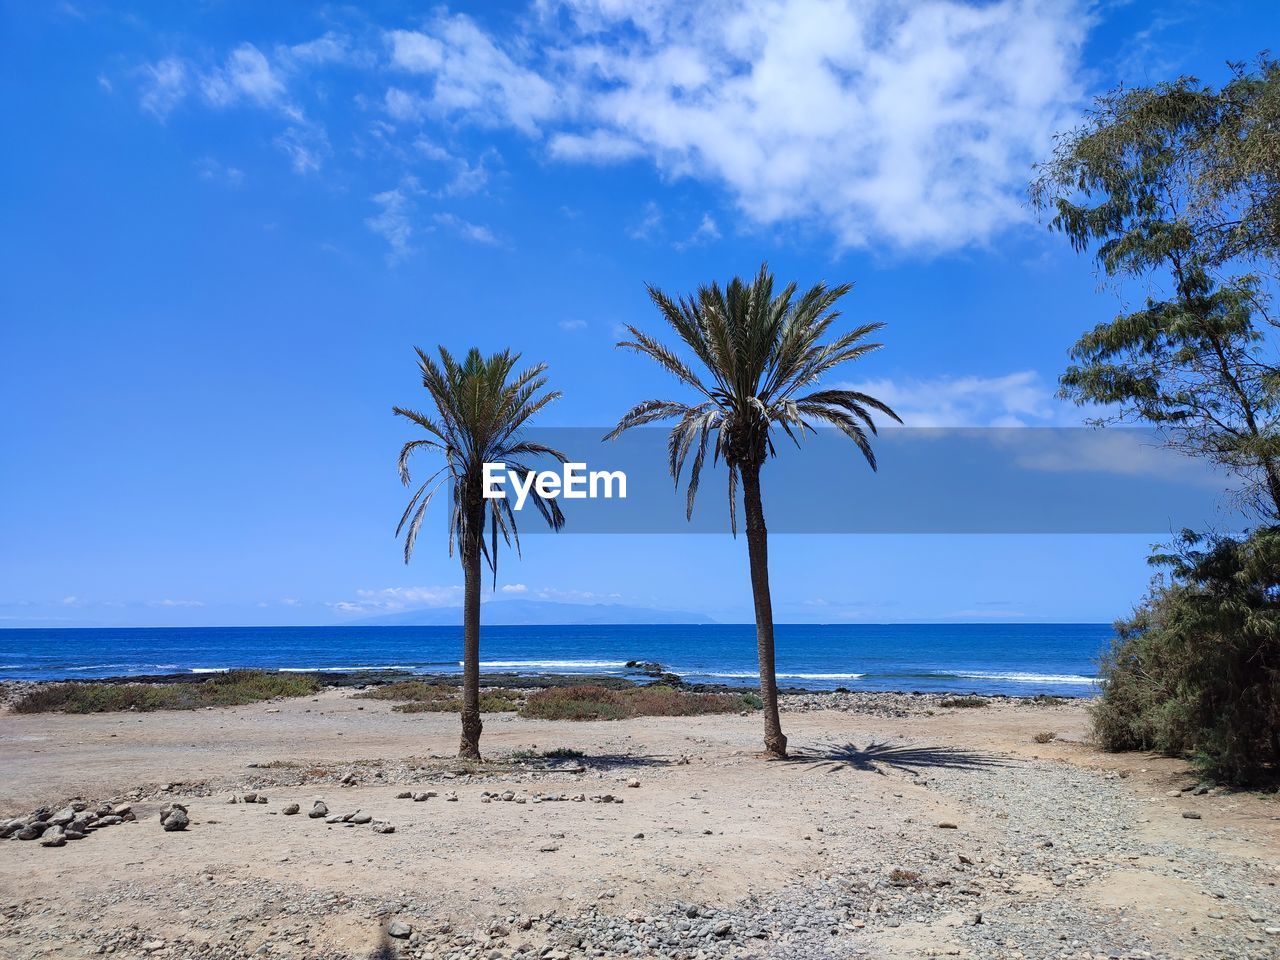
pixel 1020 677
pixel 821 676
pixel 104 666
pixel 210 669
pixel 551 664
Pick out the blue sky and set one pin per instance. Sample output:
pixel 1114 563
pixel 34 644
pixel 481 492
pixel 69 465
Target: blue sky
pixel 226 224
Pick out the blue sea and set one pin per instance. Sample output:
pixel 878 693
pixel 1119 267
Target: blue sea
pixel 1015 659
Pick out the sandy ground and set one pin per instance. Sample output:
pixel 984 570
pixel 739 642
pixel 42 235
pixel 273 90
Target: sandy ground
pixel 720 827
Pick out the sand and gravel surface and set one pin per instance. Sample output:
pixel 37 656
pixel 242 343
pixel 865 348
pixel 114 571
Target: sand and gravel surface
pixel 903 829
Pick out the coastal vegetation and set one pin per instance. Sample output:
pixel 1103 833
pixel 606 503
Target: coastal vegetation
pixel 233 688
pixel 417 696
pixel 1176 189
pixel 481 405
pixel 1196 669
pixel 585 701
pixel 602 703
pixel 761 355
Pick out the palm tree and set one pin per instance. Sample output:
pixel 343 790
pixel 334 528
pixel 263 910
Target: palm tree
pixel 480 410
pixel 760 353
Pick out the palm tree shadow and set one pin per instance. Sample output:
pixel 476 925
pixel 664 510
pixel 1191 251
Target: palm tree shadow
pixel 622 761
pixel 876 756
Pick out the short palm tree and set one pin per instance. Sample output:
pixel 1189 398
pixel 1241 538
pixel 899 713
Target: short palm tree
pixel 762 355
pixel 480 409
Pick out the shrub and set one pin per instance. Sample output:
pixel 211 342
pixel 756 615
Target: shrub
pixel 418 696
pixel 1196 670
pixel 220 690
pixel 590 702
pixel 1047 700
pixel 964 702
pixel 1046 737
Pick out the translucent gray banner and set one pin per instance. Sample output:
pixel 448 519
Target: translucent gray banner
pixel 949 480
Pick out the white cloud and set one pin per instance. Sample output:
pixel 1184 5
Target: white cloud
pixel 392 599
pixel 393 222
pixel 514 588
pixel 164 85
pixel 650 223
pixel 210 168
pixel 175 603
pixel 1015 399
pixel 706 232
pixel 306 145
pixel 899 124
pixel 471 231
pixel 247 75
pixel 572 326
pixel 471 73
pixel 908 122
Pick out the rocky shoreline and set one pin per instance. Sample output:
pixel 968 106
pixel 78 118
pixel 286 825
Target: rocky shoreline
pixel 795 697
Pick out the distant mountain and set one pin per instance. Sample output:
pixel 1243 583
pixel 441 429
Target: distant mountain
pixel 536 613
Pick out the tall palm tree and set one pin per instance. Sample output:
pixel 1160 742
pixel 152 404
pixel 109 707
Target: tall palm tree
pixel 760 352
pixel 480 410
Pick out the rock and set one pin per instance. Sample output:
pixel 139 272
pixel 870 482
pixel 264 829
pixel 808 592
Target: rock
pixel 30 831
pixel 549 848
pixel 947 825
pixel 451 797
pixel 399 929
pixel 108 821
pixel 382 826
pixel 63 817
pixel 633 783
pixel 122 810
pixel 53 837
pixel 290 809
pixel 319 810
pixel 175 820
pixel 722 929
pixel 359 817
pixel 71 833
pixel 638 836
pixel 420 796
pixel 404 795
pixel 250 798
pixel 1190 815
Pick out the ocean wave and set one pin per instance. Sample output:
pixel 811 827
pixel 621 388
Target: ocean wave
pixel 731 675
pixel 210 669
pixel 821 676
pixel 552 664
pixel 1015 676
pixel 104 666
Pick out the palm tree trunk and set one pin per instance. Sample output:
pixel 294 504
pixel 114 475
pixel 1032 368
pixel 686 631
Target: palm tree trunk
pixel 775 743
pixel 469 748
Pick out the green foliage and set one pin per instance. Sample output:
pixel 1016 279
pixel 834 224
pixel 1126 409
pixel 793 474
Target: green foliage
pixel 559 753
pixel 228 689
pixel 480 410
pixel 962 702
pixel 1179 185
pixel 762 355
pixel 590 702
pixel 417 696
pixel 1196 670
